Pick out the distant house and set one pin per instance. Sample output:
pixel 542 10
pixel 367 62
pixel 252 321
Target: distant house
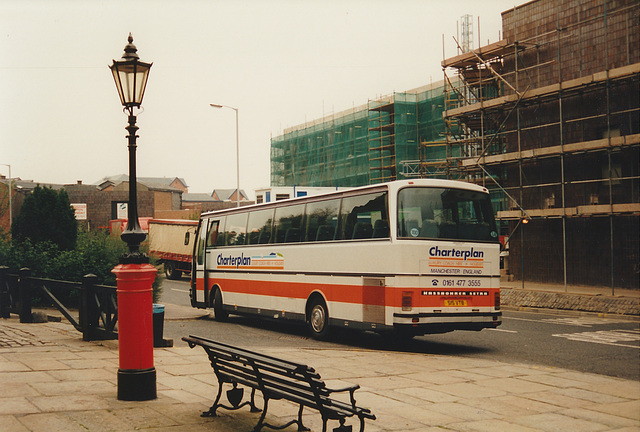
pixel 156 182
pixel 219 199
pixel 200 202
pixel 229 195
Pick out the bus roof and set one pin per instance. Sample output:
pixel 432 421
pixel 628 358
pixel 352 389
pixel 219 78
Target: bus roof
pixel 393 185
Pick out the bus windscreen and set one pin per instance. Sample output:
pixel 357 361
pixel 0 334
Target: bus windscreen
pixel 437 213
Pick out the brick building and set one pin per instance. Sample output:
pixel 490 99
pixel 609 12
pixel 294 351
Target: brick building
pixel 103 205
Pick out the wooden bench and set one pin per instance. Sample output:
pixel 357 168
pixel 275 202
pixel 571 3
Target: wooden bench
pixel 276 379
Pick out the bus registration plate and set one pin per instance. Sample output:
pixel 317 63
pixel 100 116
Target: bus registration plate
pixel 455 302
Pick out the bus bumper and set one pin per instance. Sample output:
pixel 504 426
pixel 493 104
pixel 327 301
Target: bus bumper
pixel 432 323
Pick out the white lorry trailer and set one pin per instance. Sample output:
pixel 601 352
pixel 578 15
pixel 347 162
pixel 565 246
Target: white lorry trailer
pixel 171 241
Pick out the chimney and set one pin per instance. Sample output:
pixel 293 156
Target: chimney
pixel 79 182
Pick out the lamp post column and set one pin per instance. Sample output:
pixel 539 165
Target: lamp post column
pixel 133 234
pixel 134 274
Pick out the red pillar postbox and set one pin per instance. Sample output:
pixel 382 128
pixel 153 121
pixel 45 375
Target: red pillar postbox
pixel 136 372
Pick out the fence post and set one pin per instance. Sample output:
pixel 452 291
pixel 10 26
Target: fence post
pixel 5 298
pixel 24 295
pixel 88 308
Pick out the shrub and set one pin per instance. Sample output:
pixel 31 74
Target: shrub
pixel 46 216
pixel 96 252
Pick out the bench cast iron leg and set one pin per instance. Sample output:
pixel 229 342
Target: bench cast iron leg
pixel 254 408
pixel 301 427
pixel 214 407
pixel 262 417
pixel 261 424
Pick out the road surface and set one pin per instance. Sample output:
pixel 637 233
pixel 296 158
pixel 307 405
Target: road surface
pixel 564 339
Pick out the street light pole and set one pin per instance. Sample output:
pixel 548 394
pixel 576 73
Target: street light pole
pixel 134 274
pixel 237 151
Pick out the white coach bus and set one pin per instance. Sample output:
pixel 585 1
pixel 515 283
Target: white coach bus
pixel 414 256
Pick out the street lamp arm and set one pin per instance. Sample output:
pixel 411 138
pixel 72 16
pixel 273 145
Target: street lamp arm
pixel 223 106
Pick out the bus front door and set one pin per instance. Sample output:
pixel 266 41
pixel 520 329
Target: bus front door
pixel 207 234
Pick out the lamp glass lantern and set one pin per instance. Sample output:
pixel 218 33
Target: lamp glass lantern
pixel 130 75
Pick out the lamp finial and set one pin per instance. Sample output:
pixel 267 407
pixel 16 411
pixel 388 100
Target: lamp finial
pixel 130 50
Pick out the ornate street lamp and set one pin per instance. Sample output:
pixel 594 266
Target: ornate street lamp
pixel 130 75
pixel 134 274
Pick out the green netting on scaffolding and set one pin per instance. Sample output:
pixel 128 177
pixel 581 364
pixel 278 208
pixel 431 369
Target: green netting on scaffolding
pixel 366 145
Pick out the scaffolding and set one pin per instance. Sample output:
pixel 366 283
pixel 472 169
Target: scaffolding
pixel 548 119
pixel 391 137
pixel 331 151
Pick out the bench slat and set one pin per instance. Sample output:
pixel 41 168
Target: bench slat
pixel 240 351
pixel 274 375
pixel 273 383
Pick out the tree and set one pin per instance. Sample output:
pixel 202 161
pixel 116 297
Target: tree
pixel 47 215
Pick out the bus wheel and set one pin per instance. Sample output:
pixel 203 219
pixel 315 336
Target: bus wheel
pixel 318 319
pixel 170 271
pixel 218 310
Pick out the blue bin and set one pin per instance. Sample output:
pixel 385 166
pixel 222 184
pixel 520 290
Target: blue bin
pixel 158 325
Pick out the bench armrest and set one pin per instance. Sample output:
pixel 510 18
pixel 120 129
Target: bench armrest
pixel 350 389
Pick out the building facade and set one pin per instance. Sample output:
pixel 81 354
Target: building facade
pixel 548 119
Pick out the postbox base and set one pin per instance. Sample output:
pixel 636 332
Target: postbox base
pixel 137 385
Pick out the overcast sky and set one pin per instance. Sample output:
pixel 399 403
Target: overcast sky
pixel 280 62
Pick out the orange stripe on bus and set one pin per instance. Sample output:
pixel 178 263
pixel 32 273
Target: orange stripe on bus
pixel 353 294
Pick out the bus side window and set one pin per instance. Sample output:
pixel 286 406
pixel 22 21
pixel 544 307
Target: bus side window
pixel 212 237
pixel 220 237
pixel 288 224
pixel 381 229
pixel 236 229
pixel 359 214
pixel 259 226
pixel 321 220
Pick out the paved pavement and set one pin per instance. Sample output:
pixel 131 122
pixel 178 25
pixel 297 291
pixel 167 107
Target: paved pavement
pixel 50 380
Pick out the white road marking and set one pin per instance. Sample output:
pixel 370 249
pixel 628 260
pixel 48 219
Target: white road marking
pixel 605 337
pixel 503 330
pixel 581 321
pixel 578 321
